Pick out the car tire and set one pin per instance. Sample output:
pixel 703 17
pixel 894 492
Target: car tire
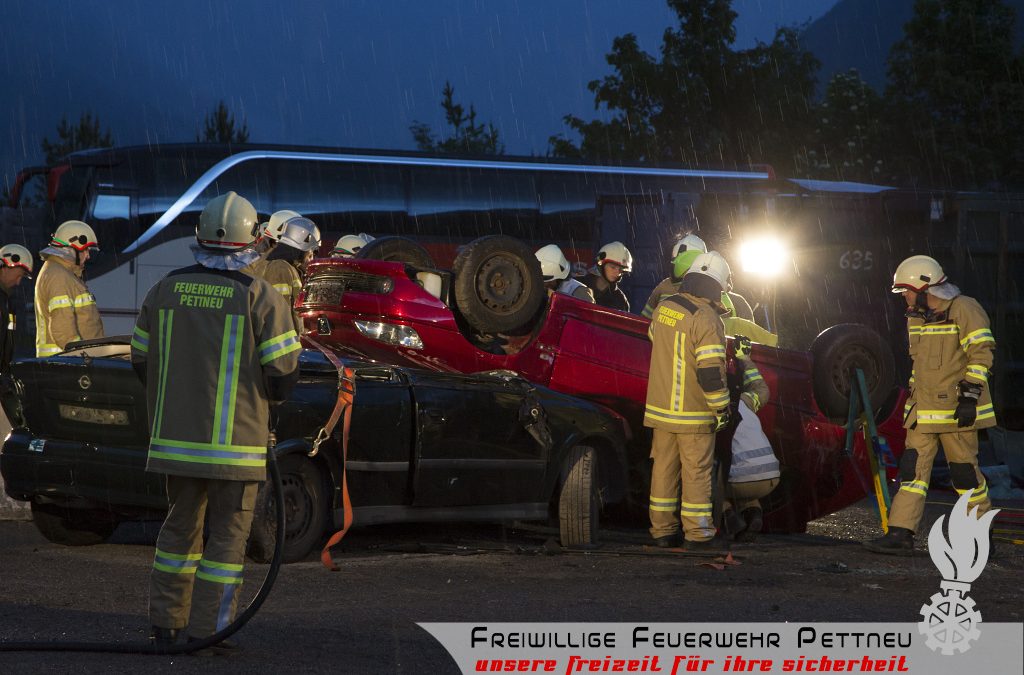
pixel 306 511
pixel 396 249
pixel 73 527
pixel 579 502
pixel 837 352
pixel 498 284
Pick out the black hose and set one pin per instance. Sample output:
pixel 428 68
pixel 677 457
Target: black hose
pixel 195 645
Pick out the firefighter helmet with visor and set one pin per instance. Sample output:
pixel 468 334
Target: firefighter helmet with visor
pixel 16 255
pixel 917 273
pixel 350 244
pixel 227 223
pixel 615 252
pixel 553 263
pixel 300 233
pixel 75 234
pixel 712 264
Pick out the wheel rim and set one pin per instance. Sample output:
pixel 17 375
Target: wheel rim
pixel 857 356
pixel 500 284
pixel 298 506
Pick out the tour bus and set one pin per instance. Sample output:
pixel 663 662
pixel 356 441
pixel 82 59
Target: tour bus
pixel 807 254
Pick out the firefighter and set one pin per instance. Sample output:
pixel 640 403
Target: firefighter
pixel 65 309
pixel 228 339
pixel 286 264
pixel 613 262
pixel 555 269
pixel 683 254
pixel 687 402
pixel 15 264
pixel 349 245
pixel 750 470
pixel 951 349
pixel 272 230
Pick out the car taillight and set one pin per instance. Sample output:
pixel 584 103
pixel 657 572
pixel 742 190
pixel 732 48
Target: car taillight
pixel 328 289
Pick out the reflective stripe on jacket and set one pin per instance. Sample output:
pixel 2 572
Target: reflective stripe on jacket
pixel 959 345
pixel 209 339
pixel 687 335
pixel 65 309
pixel 576 289
pixel 285 280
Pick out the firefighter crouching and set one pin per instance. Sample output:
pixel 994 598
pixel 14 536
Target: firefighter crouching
pixel 951 347
pixel 687 402
pixel 555 268
pixel 65 309
pixel 215 348
pixel 749 470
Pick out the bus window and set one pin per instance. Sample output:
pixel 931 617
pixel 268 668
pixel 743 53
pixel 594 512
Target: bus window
pixel 249 179
pixel 567 215
pixel 342 198
pixel 461 203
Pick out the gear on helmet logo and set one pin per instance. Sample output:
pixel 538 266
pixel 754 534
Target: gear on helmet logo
pixel 221 232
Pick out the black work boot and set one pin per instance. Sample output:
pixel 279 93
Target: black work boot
pixel 754 521
pixel 897 541
pixel 713 545
pixel 222 648
pixel 669 541
pixel 732 523
pixel 164 637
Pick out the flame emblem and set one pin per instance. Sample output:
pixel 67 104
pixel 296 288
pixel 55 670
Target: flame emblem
pixel 950 622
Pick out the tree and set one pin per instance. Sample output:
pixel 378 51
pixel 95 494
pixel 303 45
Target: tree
pixel 701 102
pixel 219 127
pixel 955 85
pixel 848 139
pixel 73 137
pixel 467 136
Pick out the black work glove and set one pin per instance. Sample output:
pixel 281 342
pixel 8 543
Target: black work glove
pixel 967 404
pixel 742 347
pixel 722 418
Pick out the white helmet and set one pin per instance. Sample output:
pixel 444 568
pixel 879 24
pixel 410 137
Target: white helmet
pixel 75 234
pixel 712 264
pixel 349 245
pixel 227 223
pixel 300 233
pixel 274 228
pixel 690 242
pixel 615 252
pixel 553 264
pixel 16 255
pixel 917 273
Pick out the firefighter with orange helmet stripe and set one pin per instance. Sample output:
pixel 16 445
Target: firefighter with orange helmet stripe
pixel 614 261
pixel 65 309
pixel 687 403
pixel 229 341
pixel 951 347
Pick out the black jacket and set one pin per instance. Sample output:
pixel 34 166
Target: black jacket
pixel 7 330
pixel 606 294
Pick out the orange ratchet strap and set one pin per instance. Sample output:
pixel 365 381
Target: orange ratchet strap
pixel 343 408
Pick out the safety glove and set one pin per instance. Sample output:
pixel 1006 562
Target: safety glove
pixel 967 404
pixel 742 347
pixel 722 418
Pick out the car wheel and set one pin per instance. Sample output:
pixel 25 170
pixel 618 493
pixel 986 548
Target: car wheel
pixel 396 249
pixel 498 284
pixel 73 527
pixel 837 352
pixel 306 511
pixel 579 502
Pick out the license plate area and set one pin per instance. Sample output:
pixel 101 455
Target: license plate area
pixel 105 416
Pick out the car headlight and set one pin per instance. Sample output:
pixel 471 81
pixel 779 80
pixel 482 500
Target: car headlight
pixel 390 333
pixel 766 257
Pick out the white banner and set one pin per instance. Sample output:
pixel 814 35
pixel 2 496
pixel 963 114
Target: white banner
pixel 677 648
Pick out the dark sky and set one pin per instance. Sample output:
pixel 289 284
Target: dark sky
pixel 353 73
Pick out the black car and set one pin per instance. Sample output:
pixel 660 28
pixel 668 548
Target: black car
pixel 424 446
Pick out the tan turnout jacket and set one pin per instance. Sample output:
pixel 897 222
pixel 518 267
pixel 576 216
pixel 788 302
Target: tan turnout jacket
pixel 957 345
pixel 285 280
pixel 208 339
pixel 687 335
pixel 65 309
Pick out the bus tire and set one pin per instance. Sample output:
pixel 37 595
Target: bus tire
pixel 579 501
pixel 837 352
pixel 396 249
pixel 498 284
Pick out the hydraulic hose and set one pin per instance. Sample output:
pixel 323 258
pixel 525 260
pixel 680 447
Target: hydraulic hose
pixel 227 631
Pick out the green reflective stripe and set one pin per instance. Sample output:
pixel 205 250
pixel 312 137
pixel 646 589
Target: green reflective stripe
pixel 219 573
pixel 945 329
pixel 173 570
pixel 669 509
pixel 217 579
pixel 179 556
pixel 138 345
pixel 166 324
pixel 84 299
pixel 980 494
pixel 676 418
pixel 274 340
pixel 283 289
pixel 751 375
pixel 678 371
pixel 710 352
pixel 975 337
pixel 47 350
pixel 58 302
pixel 178 457
pixel 919 487
pixel 231 567
pixel 227 380
pixel 140 339
pixel 717 400
pixel 276 347
pixel 914 330
pixel 979 373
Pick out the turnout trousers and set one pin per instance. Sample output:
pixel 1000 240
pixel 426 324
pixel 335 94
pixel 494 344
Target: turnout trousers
pixel 192 585
pixel 682 459
pixel 742 496
pixel 961 449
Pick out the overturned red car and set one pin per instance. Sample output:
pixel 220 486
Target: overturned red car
pixel 491 312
